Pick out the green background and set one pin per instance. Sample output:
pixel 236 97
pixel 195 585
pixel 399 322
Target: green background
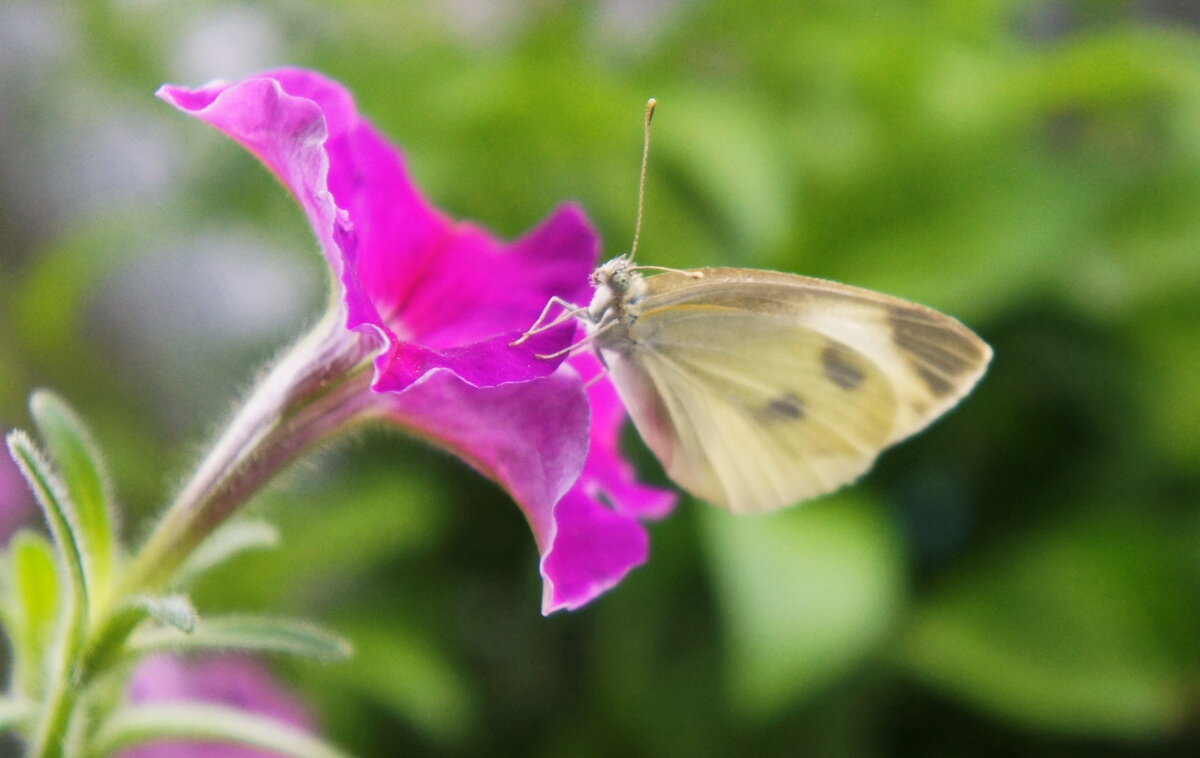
pixel 1020 579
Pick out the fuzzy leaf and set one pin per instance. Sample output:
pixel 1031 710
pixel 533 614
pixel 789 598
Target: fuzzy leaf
pixel 174 611
pixel 229 540
pixel 250 633
pixel 83 473
pixel 61 517
pixel 146 723
pixel 34 608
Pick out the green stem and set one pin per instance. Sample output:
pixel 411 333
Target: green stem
pixel 60 702
pixel 55 716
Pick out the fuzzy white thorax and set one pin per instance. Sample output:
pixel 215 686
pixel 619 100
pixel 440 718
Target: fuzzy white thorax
pixel 617 286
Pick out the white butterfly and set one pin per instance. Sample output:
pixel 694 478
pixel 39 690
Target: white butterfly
pixel 759 389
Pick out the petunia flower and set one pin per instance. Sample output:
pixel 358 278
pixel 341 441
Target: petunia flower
pixel 437 303
pixel 231 680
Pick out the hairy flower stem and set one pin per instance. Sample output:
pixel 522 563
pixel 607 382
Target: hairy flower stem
pixel 318 388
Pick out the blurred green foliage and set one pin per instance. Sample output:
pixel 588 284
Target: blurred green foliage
pixel 1021 579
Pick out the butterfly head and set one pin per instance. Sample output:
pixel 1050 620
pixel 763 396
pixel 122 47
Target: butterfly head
pixel 617 275
pixel 618 287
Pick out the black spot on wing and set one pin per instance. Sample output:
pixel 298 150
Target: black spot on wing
pixel 786 407
pixel 938 344
pixel 939 348
pixel 839 367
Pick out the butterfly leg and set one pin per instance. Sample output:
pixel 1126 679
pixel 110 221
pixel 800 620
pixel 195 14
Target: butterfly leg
pixel 603 372
pixel 577 346
pixel 570 311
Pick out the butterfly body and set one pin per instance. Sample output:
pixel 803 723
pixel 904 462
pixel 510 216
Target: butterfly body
pixel 618 291
pixel 759 389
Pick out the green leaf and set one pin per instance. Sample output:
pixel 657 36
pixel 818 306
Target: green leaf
pixel 174 611
pixel 805 594
pixel 34 611
pixel 229 540
pixel 83 473
pixel 263 634
pixel 138 724
pixel 15 713
pixel 1083 628
pixel 64 527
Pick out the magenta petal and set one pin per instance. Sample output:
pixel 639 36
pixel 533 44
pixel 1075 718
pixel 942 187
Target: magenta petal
pixel 530 437
pixel 606 465
pixel 594 548
pixel 230 680
pixel 479 286
pixel 483 364
pixel 453 295
pixel 442 282
pixel 468 297
pixel 288 132
pixel 599 537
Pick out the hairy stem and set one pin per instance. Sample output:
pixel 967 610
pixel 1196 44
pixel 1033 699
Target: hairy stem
pixel 319 387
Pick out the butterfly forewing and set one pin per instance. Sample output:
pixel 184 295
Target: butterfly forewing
pixel 930 358
pixel 758 389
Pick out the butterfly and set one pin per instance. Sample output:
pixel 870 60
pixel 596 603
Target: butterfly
pixel 760 389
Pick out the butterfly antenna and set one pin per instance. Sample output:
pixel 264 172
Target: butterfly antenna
pixel 637 226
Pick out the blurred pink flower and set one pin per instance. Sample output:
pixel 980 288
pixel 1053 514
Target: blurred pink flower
pixel 445 299
pixel 236 681
pixel 16 501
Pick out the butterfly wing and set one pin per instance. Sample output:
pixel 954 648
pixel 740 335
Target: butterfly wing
pixel 758 389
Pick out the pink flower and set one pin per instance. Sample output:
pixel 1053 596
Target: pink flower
pixel 16 501
pixel 445 299
pixel 230 680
